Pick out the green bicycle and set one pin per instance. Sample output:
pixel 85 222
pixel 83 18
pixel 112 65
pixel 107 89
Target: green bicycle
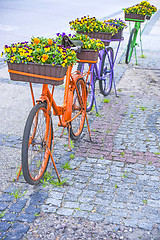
pixel 132 41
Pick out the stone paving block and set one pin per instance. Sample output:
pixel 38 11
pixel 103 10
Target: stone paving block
pixel 4 226
pixel 53 202
pixel 26 217
pixel 86 207
pixel 81 214
pixel 6 198
pixel 65 211
pixel 96 181
pixel 96 217
pixel 18 206
pixel 131 223
pixel 32 209
pixel 87 200
pixel 3 206
pixel 145 225
pixel 49 209
pixel 2 235
pixel 38 197
pixel 71 205
pixel 56 195
pixel 9 217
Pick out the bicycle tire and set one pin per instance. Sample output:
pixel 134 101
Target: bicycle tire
pixel 106 73
pixel 130 45
pixel 35 154
pixel 78 107
pixel 89 84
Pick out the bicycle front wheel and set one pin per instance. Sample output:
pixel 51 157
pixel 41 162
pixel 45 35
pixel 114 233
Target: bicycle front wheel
pixel 90 85
pixel 131 45
pixel 37 138
pixel 78 109
pixel 106 72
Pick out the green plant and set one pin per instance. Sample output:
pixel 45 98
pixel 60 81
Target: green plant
pixel 71 156
pixel 48 179
pixel 118 23
pixel 143 108
pixel 143 8
pixel 91 24
pixel 72 145
pixel 17 193
pixel 67 166
pixel 41 51
pixel 145 201
pixel 106 100
pixel 2 214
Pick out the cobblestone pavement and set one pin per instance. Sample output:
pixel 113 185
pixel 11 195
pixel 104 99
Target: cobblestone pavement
pixel 113 189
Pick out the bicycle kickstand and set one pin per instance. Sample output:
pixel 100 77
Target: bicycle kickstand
pixel 88 128
pixel 20 169
pixel 54 164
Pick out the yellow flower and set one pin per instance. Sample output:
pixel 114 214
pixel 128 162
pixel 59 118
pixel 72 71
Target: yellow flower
pixel 47 49
pixel 44 57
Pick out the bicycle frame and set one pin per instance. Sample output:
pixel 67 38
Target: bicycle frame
pixel 63 112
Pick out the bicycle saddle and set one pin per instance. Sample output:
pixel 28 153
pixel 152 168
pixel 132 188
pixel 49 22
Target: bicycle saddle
pixel 67 42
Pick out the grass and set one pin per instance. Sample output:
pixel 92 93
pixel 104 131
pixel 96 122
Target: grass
pixel 17 193
pixel 71 156
pixel 106 100
pixel 48 179
pixel 67 166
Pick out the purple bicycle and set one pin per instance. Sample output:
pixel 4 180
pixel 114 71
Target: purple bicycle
pixel 103 71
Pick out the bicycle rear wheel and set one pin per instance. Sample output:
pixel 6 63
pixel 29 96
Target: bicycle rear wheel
pixel 37 138
pixel 131 45
pixel 83 67
pixel 106 72
pixel 78 109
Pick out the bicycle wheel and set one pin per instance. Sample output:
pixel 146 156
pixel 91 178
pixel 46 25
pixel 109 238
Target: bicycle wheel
pixel 78 109
pixel 83 67
pixel 131 45
pixel 106 72
pixel 37 138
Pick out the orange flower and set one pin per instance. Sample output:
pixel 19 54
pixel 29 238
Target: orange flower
pixel 50 41
pixel 36 40
pixel 44 57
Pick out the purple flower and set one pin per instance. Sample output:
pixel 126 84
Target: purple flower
pixel 58 34
pixel 63 33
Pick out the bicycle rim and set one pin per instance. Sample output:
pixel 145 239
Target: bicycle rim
pixel 83 67
pixel 37 139
pixel 131 45
pixel 105 84
pixel 78 109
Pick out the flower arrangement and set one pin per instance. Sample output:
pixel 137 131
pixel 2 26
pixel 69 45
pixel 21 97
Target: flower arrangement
pixel 150 9
pixel 40 51
pixel 144 8
pixel 88 43
pixel 118 23
pixel 89 25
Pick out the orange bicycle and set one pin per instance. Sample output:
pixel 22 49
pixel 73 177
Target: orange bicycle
pixel 38 137
pixel 38 134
